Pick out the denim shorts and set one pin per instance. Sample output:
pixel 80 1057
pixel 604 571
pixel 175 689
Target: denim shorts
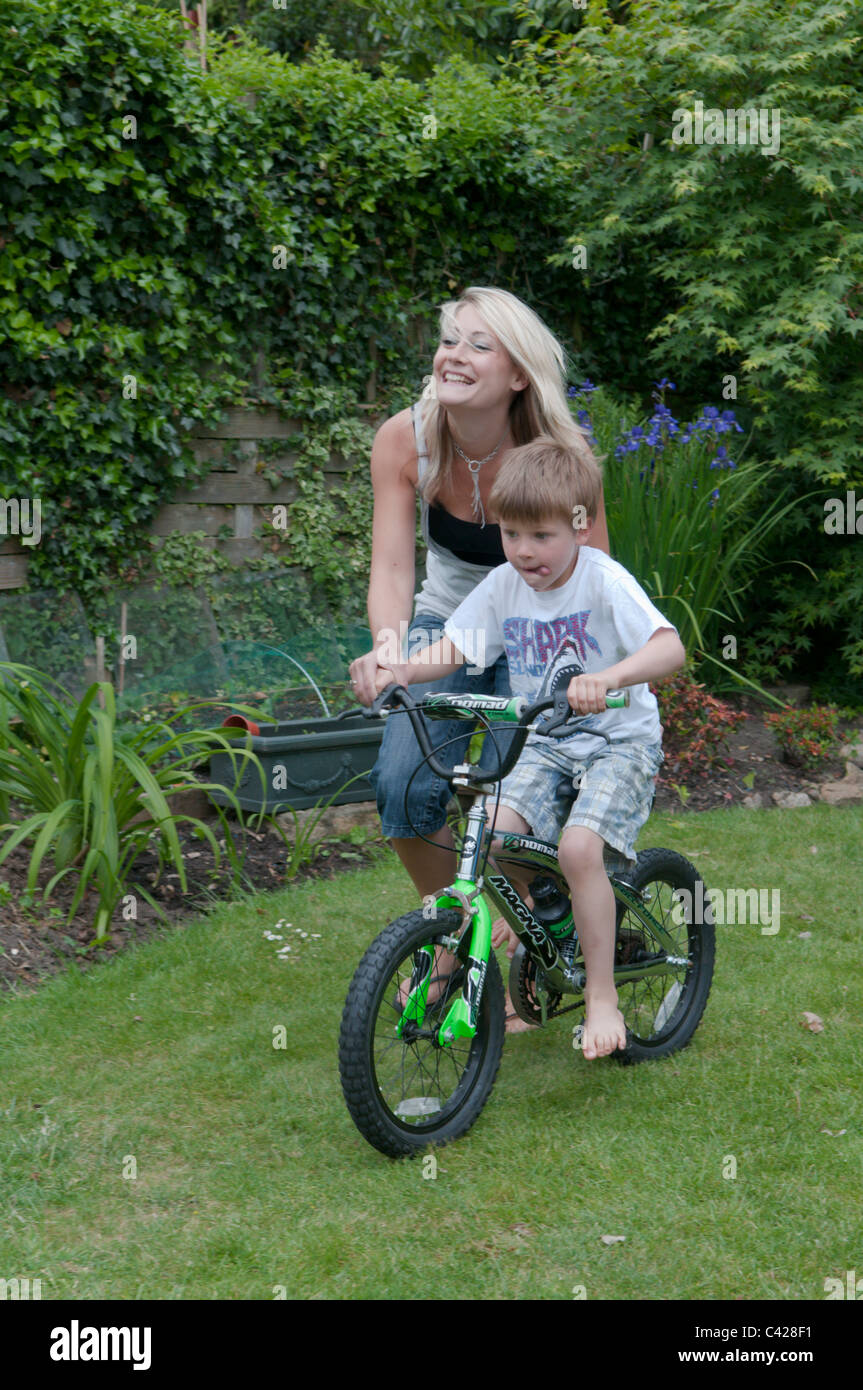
pixel 610 791
pixel 421 808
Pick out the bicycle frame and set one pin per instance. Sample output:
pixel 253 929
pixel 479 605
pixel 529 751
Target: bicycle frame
pixel 477 896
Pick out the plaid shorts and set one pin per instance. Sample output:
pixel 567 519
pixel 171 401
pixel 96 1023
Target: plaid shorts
pixel 610 791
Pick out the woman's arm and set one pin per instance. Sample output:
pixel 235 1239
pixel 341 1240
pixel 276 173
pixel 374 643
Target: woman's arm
pixel 391 582
pixel 431 664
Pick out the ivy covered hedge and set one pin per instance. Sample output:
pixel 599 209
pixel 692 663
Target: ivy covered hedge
pixel 168 235
pixel 171 241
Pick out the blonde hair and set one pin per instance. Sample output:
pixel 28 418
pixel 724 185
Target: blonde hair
pixel 540 409
pixel 545 479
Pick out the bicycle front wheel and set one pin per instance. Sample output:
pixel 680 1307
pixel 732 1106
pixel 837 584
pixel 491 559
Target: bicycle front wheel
pixel 404 1093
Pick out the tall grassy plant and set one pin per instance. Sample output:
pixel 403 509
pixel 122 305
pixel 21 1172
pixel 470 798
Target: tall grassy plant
pixel 687 519
pixel 94 796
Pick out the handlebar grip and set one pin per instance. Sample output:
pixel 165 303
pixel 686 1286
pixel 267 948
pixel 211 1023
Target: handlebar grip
pixel 618 700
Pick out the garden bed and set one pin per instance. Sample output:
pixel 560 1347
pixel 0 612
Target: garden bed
pixel 754 765
pixel 35 942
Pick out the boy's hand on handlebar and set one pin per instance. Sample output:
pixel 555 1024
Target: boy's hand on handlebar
pixel 586 694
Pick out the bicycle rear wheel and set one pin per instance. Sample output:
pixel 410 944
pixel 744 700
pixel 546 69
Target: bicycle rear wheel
pixel 662 1011
pixel 404 1093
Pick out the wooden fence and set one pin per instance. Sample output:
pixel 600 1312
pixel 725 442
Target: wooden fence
pixel 234 493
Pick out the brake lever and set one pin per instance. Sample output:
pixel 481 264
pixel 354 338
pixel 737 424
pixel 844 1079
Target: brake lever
pixel 561 725
pixel 554 726
pixel 377 710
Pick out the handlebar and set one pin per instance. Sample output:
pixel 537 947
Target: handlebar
pixel 560 726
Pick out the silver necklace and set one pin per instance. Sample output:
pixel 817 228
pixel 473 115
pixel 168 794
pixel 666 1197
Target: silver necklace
pixel 474 465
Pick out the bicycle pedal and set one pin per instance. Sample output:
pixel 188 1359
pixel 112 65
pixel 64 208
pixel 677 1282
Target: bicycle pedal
pixel 578 1039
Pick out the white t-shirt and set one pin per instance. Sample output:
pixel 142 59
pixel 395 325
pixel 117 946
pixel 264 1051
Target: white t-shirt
pixel 598 617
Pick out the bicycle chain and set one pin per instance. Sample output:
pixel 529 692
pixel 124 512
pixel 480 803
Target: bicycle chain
pixel 555 1011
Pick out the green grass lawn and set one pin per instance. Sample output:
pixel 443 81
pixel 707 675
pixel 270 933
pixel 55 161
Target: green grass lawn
pixel 251 1176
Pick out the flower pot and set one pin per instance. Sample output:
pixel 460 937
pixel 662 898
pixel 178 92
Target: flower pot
pixel 305 761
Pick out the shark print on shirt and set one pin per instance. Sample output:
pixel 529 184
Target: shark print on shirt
pixel 531 644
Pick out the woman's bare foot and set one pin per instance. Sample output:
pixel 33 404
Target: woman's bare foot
pixel 445 964
pixel 514 1023
pixel 604 1028
pixel 502 933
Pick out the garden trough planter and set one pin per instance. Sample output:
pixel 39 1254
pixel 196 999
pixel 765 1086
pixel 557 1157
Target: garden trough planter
pixel 305 762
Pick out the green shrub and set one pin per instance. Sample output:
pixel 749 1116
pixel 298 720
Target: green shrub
pixel 684 515
pixel 727 269
pixel 94 797
pixel 272 232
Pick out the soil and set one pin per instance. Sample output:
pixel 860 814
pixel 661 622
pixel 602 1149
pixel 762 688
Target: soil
pixel 753 763
pixel 36 941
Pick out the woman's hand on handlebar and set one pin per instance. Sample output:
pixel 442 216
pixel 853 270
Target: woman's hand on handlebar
pixel 369 677
pixel 390 675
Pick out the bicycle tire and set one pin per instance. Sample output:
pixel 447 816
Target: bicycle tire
pixel 379 1071
pixel 661 1019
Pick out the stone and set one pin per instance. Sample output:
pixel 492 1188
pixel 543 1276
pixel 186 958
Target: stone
pixel 849 789
pixel 338 820
pixel 192 802
pixel 789 801
pixel 798 695
pixel 754 801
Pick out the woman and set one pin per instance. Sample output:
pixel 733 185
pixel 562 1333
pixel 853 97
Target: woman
pixel 499 381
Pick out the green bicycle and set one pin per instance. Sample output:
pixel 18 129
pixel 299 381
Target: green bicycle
pixel 419 1047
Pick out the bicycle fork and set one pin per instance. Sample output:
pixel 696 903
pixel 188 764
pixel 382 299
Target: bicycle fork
pixel 466 895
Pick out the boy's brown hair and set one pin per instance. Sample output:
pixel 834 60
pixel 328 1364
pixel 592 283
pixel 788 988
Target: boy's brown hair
pixel 544 479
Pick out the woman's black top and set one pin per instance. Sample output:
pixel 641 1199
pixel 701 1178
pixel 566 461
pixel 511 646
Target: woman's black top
pixel 467 540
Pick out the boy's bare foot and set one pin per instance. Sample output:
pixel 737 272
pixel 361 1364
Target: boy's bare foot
pixel 604 1028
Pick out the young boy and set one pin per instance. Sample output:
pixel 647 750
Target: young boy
pixel 567 615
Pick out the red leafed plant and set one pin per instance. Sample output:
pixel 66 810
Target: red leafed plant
pixel 807 736
pixel 695 727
